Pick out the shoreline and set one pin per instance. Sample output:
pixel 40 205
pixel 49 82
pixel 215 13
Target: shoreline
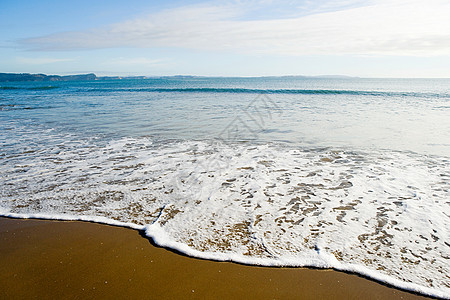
pixel 84 259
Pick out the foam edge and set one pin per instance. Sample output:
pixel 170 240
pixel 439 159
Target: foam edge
pixel 322 260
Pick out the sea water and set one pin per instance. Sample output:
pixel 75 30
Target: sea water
pixel 344 173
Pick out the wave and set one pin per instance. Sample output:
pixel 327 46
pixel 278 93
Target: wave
pixel 274 91
pixel 383 214
pixel 9 107
pixel 160 238
pixel 37 88
pixel 243 91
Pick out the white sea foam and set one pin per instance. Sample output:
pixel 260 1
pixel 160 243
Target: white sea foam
pixel 383 214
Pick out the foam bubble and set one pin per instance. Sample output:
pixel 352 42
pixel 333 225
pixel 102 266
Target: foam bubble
pixel 384 214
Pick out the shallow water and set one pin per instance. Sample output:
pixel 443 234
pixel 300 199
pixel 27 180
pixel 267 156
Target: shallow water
pixel 346 173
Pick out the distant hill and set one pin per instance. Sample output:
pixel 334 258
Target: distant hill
pixel 42 77
pixel 11 77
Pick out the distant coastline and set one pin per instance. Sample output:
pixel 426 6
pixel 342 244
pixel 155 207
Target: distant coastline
pixel 42 77
pixel 16 77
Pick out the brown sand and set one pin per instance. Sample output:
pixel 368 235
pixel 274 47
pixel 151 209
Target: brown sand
pixel 54 259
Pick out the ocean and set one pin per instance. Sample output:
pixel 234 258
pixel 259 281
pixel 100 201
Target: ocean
pixel 344 173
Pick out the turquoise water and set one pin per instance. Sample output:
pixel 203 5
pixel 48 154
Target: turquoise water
pixel 403 114
pixel 352 174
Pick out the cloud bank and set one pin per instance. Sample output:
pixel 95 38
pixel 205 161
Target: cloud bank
pixel 398 27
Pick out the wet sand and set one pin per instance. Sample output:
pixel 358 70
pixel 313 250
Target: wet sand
pixel 62 259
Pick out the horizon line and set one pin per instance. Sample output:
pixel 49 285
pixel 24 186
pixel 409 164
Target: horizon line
pixel 330 76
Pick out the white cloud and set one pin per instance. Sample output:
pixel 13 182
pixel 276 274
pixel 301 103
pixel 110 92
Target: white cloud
pixel 396 27
pixel 40 60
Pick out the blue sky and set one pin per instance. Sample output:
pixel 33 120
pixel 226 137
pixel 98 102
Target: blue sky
pixel 368 38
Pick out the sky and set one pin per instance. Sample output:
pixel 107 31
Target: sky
pixel 366 38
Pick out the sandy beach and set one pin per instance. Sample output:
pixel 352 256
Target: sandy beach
pixel 61 259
